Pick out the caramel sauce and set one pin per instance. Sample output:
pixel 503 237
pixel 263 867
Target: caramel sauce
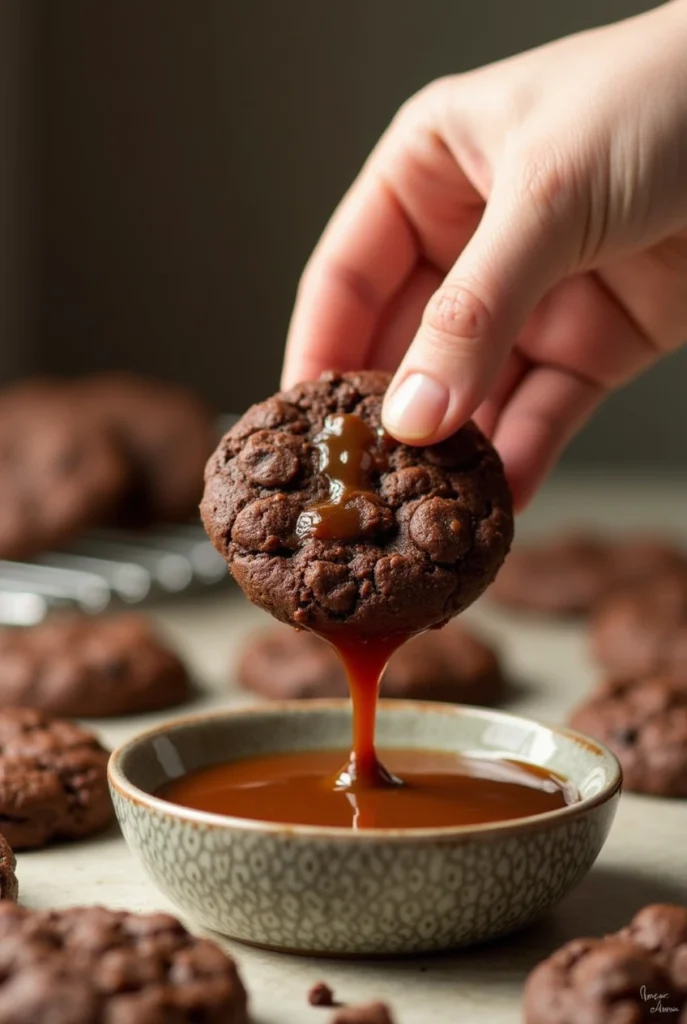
pixel 348 454
pixel 440 790
pixel 364 661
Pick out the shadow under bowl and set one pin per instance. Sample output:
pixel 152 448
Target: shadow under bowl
pixel 378 892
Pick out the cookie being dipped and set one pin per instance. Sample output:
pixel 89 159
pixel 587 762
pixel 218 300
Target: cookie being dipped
pixel 325 521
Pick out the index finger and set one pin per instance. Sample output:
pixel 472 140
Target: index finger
pixel 366 253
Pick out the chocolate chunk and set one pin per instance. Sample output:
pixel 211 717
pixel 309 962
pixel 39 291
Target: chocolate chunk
pixel 441 528
pixel 321 995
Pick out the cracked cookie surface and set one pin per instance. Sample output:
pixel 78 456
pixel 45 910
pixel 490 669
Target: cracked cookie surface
pixel 90 965
pixel 53 779
pixel 90 667
pixel 644 723
pixel 634 976
pixel 434 524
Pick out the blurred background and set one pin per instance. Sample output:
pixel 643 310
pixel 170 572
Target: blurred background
pixel 167 167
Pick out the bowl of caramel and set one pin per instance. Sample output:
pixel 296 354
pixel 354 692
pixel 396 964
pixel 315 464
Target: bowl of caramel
pixel 257 824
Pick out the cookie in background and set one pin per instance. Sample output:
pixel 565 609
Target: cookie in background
pixel 568 574
pixel 54 780
pixel 642 629
pixel 85 667
pixel 644 722
pixel 114 448
pixel 449 664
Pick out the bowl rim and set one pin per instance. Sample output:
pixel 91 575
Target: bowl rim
pixel 128 790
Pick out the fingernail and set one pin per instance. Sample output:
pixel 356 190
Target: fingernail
pixel 415 408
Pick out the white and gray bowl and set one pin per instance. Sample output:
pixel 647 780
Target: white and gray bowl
pixel 334 891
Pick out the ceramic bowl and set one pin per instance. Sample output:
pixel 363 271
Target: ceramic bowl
pixel 332 891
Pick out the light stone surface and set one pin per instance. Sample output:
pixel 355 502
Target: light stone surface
pixel 645 858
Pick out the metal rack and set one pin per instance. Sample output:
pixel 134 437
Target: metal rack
pixel 112 567
pixel 109 567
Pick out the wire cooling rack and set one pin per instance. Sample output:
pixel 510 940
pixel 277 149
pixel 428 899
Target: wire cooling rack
pixel 109 567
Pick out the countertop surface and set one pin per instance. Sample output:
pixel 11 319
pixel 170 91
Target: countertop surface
pixel 644 860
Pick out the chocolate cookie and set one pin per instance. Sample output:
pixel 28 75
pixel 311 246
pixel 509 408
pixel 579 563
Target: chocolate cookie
pixel 641 630
pixel 59 471
pixel 89 965
pixel 85 667
pixel 9 888
pixel 325 520
pixel 167 434
pixel 569 574
pixel 53 782
pixel 644 723
pixel 636 976
pixel 449 664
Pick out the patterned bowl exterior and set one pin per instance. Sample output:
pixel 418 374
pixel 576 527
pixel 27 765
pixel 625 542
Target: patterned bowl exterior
pixel 336 892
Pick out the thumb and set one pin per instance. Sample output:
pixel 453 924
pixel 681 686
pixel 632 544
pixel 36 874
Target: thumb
pixel 521 247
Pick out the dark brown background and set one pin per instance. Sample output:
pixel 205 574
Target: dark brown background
pixel 167 167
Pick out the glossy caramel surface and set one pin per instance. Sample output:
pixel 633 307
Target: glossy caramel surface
pixel 438 790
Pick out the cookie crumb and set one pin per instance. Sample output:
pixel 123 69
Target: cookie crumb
pixel 368 1013
pixel 321 995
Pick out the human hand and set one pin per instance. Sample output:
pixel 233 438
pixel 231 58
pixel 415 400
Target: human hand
pixel 517 242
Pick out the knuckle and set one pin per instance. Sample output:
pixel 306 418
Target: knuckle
pixel 542 178
pixel 456 312
pixel 322 272
pixel 415 108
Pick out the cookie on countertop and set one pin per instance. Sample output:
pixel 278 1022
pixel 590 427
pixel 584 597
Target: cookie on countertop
pixel 641 630
pixel 423 531
pixel 9 887
pixel 85 667
pixel 644 723
pixel 53 779
pixel 167 434
pixel 567 575
pixel 90 965
pixel 59 471
pixel 449 664
pixel 635 976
